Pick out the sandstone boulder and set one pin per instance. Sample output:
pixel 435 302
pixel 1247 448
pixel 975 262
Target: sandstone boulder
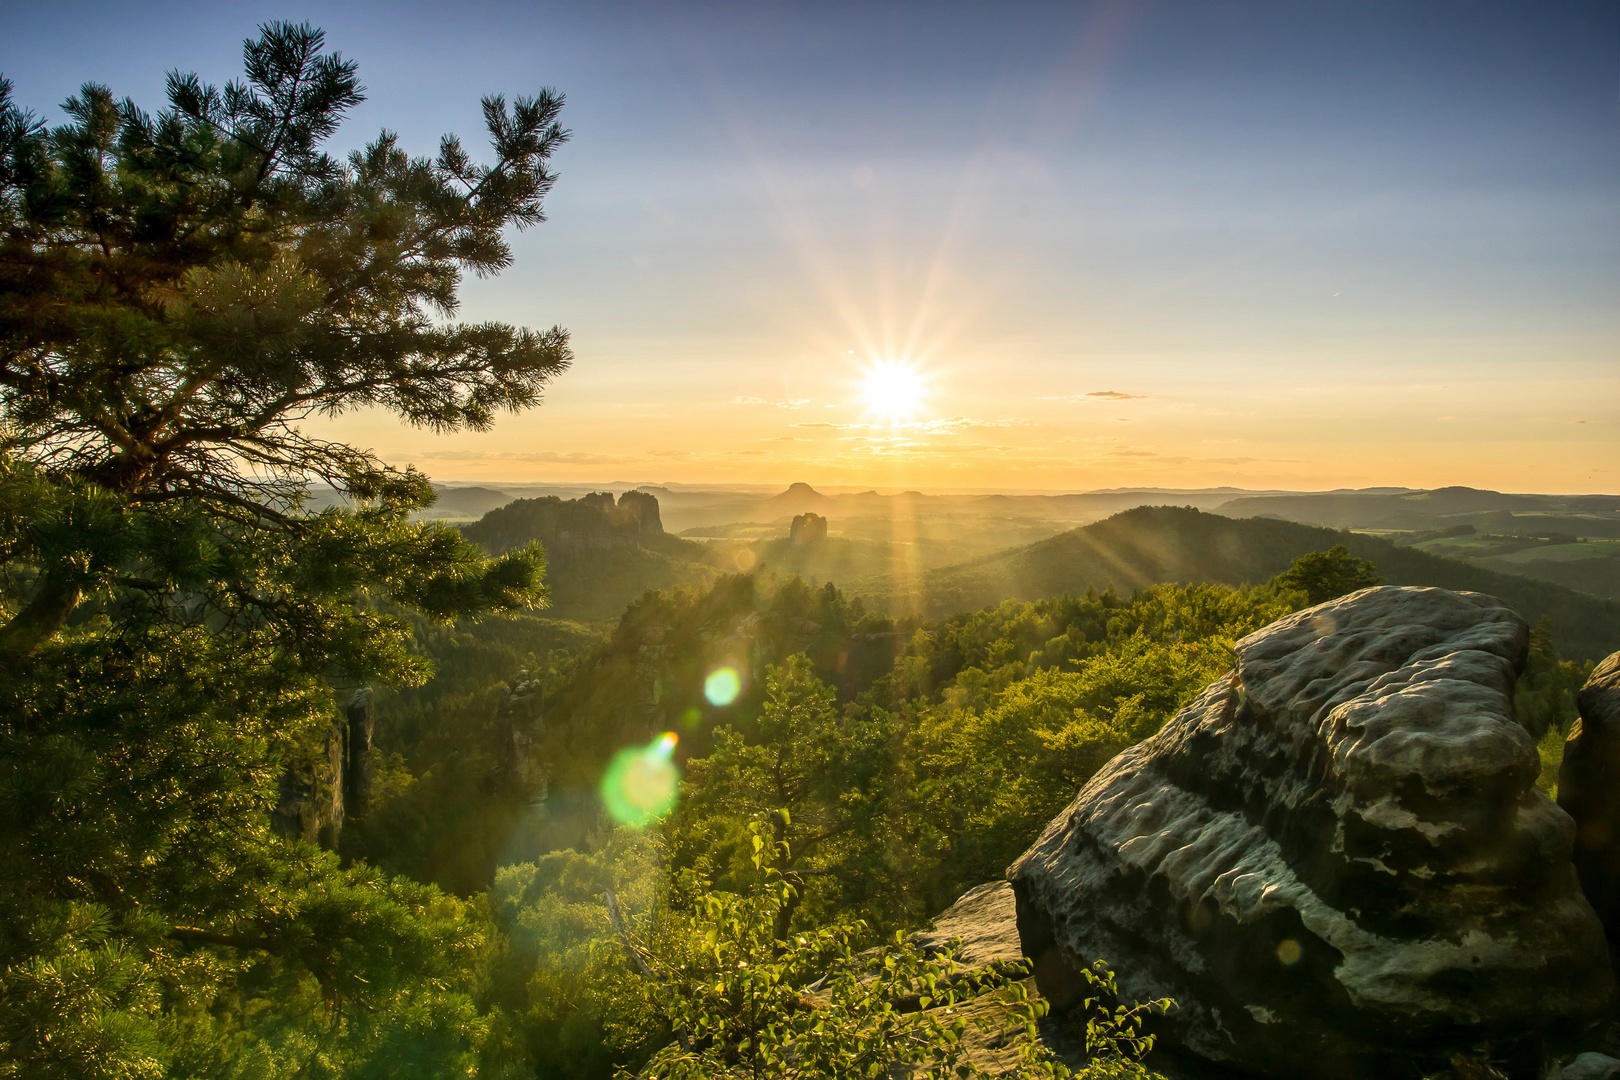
pixel 1334 860
pixel 1589 790
pixel 983 923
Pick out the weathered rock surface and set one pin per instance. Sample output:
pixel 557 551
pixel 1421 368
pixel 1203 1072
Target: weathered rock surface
pixel 309 795
pixel 985 921
pixel 330 783
pixel 1589 1067
pixel 1334 860
pixel 1589 791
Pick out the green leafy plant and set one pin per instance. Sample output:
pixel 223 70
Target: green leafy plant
pixel 740 1001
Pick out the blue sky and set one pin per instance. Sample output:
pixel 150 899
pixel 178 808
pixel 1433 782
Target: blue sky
pixel 1316 244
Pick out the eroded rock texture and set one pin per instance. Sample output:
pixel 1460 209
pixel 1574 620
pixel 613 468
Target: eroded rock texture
pixel 1589 790
pixel 1335 860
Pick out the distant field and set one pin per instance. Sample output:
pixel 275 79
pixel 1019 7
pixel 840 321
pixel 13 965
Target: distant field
pixel 1590 564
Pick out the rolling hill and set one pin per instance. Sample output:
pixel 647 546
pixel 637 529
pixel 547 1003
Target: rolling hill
pixel 1149 545
pixel 1439 508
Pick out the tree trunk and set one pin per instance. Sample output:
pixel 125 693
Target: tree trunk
pixel 41 618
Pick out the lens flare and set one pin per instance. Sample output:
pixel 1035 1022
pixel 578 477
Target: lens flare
pixel 722 686
pixel 641 783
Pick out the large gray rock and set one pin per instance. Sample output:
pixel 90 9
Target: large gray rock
pixel 1589 791
pixel 1335 860
pixel 1589 1067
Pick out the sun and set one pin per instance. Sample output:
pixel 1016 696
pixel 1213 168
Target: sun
pixel 893 391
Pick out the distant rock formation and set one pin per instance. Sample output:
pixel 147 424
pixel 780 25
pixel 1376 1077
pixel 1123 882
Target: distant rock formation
pixel 808 528
pixel 320 790
pixel 1589 790
pixel 592 521
pixel 1334 860
pixel 521 717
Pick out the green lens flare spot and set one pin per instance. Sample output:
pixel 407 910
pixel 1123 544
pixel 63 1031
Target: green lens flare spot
pixel 722 686
pixel 641 783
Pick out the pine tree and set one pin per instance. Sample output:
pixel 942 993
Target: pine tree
pixel 178 293
pixel 1326 575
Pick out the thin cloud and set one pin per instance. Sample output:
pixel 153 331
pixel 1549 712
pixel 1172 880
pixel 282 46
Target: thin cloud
pixel 1096 395
pixel 952 425
pixel 789 403
pixel 543 456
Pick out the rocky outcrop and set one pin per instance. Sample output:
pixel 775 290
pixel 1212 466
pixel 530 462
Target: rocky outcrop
pixel 641 510
pixel 309 795
pixel 329 782
pixel 520 719
pixel 592 521
pixel 1589 790
pixel 984 925
pixel 1334 860
pixel 360 768
pixel 808 528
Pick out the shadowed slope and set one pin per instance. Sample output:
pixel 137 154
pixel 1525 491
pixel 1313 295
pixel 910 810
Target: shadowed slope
pixel 1153 544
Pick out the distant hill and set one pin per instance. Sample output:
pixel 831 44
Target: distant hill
pixel 1421 510
pixel 468 501
pixel 1149 545
pixel 1567 539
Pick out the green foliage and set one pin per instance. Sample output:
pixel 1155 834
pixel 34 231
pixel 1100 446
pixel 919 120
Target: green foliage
pixel 441 819
pixel 556 984
pixel 177 294
pixel 742 1002
pixel 1141 548
pixel 1551 751
pixel 825 775
pixel 1327 575
pixel 1544 696
pixel 997 758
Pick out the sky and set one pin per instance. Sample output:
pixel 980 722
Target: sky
pixel 1040 246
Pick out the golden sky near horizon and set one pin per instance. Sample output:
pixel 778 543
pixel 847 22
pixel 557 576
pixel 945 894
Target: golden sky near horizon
pixel 1264 248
